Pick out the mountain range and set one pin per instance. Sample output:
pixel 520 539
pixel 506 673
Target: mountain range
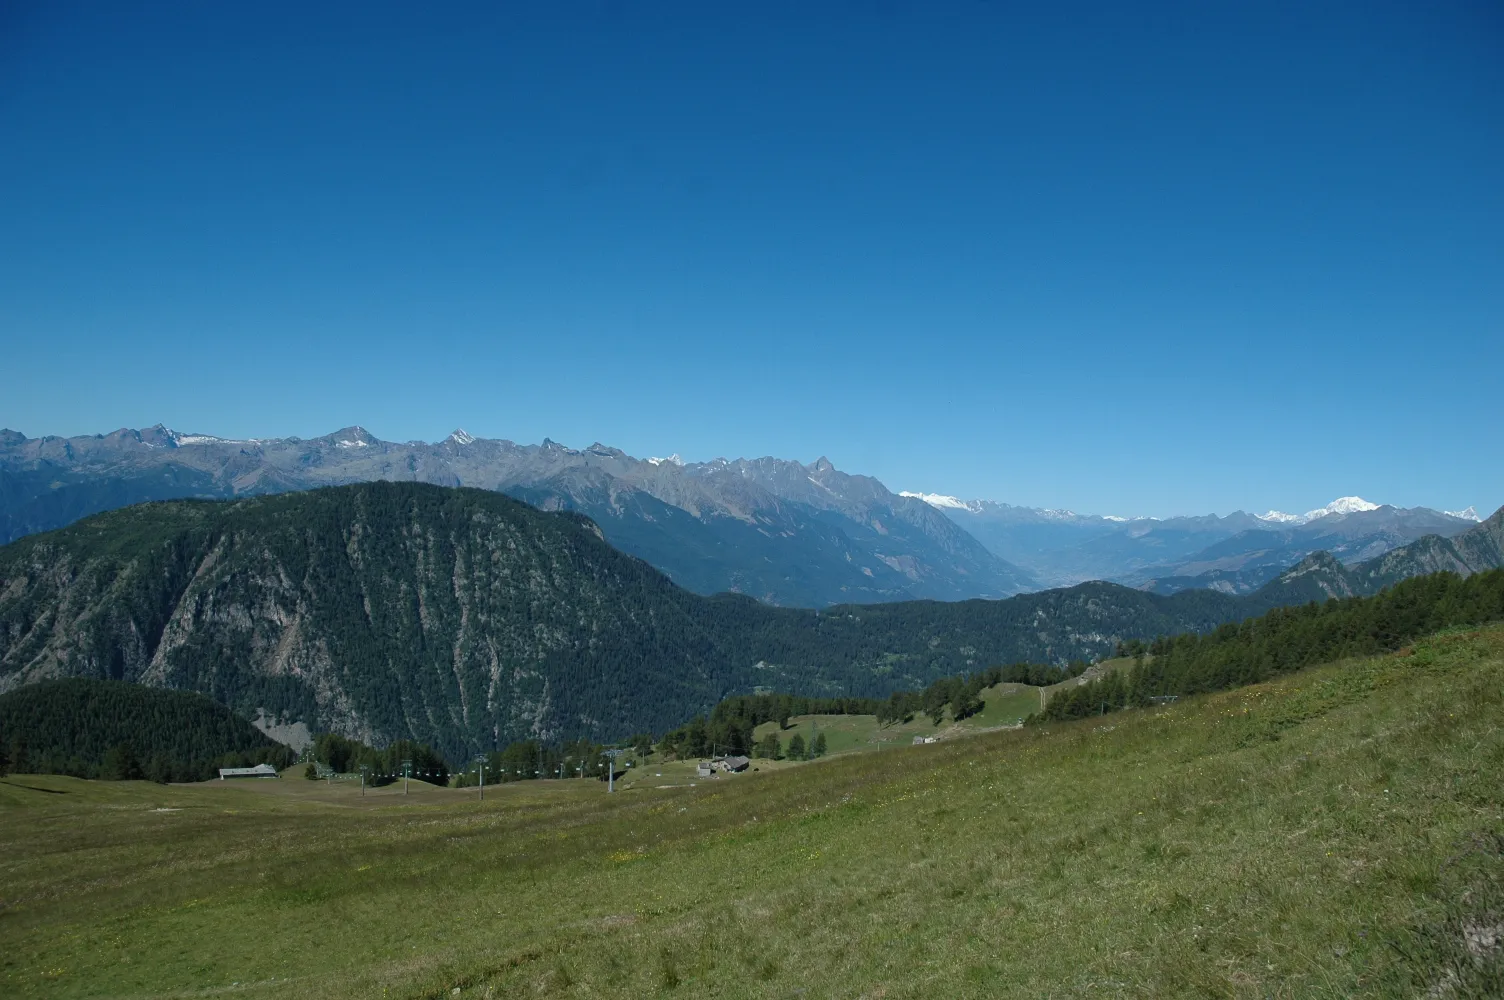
pixel 1321 576
pixel 781 531
pixel 1237 553
pixel 784 532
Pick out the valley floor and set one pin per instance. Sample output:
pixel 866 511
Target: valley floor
pixel 1336 833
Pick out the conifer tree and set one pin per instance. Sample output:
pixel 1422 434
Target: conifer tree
pixel 120 764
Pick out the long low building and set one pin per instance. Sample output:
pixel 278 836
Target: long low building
pixel 259 771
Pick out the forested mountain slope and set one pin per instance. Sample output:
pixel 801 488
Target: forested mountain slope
pixel 464 619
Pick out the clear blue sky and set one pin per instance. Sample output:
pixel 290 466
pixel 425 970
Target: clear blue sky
pixel 1133 258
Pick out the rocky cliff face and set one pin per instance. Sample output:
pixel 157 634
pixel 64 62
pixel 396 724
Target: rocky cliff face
pixel 382 612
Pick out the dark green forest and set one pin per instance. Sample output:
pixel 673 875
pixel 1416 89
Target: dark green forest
pixel 109 729
pixel 1289 639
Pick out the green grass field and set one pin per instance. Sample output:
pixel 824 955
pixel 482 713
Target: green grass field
pixel 1336 833
pixel 1003 705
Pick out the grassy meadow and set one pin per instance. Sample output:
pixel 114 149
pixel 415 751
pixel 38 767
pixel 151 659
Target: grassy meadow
pixel 1334 833
pixel 1003 705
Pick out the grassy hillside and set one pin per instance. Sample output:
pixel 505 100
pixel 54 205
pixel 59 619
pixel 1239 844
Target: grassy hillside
pixel 1002 705
pixel 1336 832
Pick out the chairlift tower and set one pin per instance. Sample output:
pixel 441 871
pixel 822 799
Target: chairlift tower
pixel 611 756
pixel 480 760
pixel 407 774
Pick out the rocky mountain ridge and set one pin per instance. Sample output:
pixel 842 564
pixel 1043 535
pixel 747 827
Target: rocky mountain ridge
pixel 778 530
pixel 785 532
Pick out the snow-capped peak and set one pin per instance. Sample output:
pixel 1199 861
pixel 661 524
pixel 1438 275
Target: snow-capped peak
pixel 1342 505
pixel 938 500
pixel 673 459
pixel 461 436
pixel 1467 515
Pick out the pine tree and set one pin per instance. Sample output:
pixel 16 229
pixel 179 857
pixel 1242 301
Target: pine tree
pixel 819 748
pixel 159 769
pixel 120 764
pixel 796 747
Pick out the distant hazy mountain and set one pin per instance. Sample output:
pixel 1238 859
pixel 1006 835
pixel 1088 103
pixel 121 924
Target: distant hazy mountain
pixel 1237 553
pixel 781 531
pixel 1249 559
pixel 1321 575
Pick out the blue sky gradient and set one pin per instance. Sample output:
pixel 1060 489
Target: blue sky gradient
pixel 1135 259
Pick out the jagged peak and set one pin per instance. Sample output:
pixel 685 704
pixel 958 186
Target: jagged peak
pixel 354 436
pixel 461 436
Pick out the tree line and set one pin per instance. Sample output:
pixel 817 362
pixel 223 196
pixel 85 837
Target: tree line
pixel 343 755
pixel 1287 639
pixel 531 760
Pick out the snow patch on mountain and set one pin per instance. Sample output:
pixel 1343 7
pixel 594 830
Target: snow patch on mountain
pixel 940 500
pixel 1280 517
pixel 1467 515
pixel 461 436
pixel 180 439
pixel 673 459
